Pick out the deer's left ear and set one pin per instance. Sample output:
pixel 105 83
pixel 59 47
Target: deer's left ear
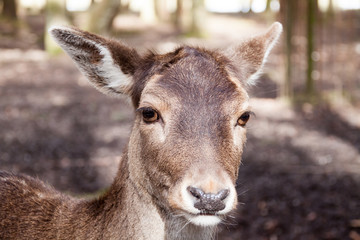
pixel 109 65
pixel 249 56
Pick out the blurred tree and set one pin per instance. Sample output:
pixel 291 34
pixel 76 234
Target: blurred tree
pixel 198 18
pixel 311 19
pixel 190 17
pixel 330 11
pixel 268 4
pixel 9 9
pixel 102 15
pixel 250 5
pixel 287 11
pixel 292 15
pixel 161 10
pixel 148 13
pixel 178 15
pixel 55 15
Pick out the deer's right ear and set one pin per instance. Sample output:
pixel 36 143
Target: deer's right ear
pixel 109 65
pixel 250 55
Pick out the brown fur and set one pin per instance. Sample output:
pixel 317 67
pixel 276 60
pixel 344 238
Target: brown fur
pixel 196 142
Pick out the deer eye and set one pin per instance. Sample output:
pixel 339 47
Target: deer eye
pixel 243 119
pixel 149 115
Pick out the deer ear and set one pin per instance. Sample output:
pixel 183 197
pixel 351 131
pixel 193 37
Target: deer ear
pixel 249 56
pixel 109 65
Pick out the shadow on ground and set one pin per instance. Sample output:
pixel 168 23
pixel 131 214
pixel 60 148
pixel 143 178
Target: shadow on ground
pixel 279 201
pixel 287 190
pixel 69 135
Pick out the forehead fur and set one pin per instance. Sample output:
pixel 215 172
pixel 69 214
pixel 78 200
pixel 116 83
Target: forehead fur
pixel 193 73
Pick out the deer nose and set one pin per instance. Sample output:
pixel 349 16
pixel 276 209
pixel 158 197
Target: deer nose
pixel 209 203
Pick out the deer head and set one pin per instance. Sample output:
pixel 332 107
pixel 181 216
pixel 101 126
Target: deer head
pixel 191 108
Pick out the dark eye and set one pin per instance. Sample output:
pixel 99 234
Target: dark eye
pixel 243 119
pixel 149 115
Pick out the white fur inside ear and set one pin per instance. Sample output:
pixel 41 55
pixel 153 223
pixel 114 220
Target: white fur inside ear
pixel 272 37
pixel 254 77
pixel 107 69
pixel 112 73
pixel 274 32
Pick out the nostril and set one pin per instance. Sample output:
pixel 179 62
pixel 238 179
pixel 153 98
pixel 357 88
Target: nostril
pixel 196 192
pixel 222 194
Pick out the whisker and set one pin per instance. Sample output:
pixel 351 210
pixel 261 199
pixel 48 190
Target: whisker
pixel 242 192
pixel 187 223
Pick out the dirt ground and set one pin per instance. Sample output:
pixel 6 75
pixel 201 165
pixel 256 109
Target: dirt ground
pixel 300 176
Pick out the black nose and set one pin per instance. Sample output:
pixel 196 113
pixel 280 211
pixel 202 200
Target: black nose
pixel 209 203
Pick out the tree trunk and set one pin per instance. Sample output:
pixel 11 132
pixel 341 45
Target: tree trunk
pixel 102 15
pixel 250 5
pixel 178 20
pixel 198 18
pixel 55 15
pixel 9 9
pixel 330 13
pixel 310 85
pixel 148 13
pixel 268 8
pixel 161 10
pixel 288 11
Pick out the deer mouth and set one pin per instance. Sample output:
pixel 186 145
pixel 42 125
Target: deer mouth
pixel 207 213
pixel 204 219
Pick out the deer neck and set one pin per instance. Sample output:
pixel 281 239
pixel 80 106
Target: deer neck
pixel 132 214
pixel 131 205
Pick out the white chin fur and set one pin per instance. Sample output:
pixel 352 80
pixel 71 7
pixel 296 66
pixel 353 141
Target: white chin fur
pixel 204 220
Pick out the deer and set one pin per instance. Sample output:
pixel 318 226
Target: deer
pixel 177 175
